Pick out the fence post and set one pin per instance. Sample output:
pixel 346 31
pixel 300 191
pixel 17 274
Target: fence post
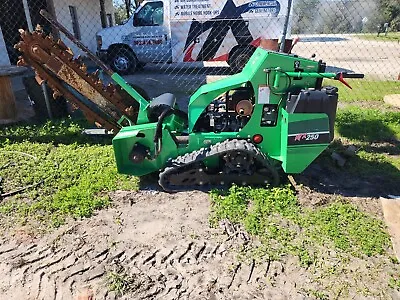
pixel 44 87
pixel 27 15
pixel 285 26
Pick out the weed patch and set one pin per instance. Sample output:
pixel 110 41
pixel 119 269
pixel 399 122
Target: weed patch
pixel 121 283
pixel 285 229
pixel 368 125
pixel 376 135
pixel 347 228
pixel 274 214
pixel 74 178
pixel 65 131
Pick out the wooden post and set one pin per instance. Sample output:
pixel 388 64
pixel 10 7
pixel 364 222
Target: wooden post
pixel 8 109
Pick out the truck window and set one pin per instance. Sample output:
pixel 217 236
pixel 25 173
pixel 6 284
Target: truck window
pixel 151 14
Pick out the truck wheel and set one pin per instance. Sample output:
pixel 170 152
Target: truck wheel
pixel 123 61
pixel 239 58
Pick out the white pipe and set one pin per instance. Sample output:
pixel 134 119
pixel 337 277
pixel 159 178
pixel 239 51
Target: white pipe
pixel 27 15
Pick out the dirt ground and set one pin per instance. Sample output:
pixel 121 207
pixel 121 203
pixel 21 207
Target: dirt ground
pixel 162 240
pixel 160 246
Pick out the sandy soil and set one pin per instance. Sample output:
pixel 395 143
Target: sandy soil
pixel 163 241
pixel 162 245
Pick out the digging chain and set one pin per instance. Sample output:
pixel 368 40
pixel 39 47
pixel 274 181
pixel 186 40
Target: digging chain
pixel 189 170
pixel 53 62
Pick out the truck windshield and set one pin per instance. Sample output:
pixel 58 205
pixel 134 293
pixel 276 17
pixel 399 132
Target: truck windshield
pixel 151 14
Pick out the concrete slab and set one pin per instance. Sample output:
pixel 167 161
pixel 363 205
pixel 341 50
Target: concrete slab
pixel 391 212
pixel 392 100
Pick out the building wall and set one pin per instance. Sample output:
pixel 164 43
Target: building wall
pixel 3 51
pixel 88 12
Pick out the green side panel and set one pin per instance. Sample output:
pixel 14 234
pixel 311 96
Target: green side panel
pixel 271 135
pixel 303 138
pixel 299 158
pixel 124 141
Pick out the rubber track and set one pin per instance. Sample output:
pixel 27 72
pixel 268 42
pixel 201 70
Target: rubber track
pixel 193 158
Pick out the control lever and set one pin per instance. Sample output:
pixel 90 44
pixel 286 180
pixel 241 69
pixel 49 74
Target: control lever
pixel 340 76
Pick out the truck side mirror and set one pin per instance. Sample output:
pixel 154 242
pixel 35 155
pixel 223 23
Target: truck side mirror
pixel 135 20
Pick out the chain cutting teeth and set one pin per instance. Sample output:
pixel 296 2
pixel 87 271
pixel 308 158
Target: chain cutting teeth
pixel 21 62
pixel 83 68
pixel 110 88
pixel 56 94
pixel 58 54
pixel 61 44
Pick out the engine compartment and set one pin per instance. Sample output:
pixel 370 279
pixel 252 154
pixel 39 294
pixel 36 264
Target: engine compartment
pixel 229 112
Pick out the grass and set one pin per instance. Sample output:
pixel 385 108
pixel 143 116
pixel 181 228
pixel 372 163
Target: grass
pixel 365 125
pixel 285 228
pixel 376 134
pixel 121 282
pixel 364 89
pixel 76 174
pixel 263 212
pixel 390 37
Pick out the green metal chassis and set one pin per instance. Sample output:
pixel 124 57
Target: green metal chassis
pixel 265 68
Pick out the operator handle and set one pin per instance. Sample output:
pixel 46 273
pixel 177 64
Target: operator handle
pixel 349 75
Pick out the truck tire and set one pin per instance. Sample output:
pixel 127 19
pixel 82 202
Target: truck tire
pixel 239 58
pixel 123 61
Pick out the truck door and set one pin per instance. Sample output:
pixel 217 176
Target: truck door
pixel 151 40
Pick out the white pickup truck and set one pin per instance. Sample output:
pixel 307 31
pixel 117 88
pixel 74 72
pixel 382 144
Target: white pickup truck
pixel 191 30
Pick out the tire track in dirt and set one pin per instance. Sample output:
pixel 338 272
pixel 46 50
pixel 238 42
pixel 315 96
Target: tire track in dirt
pixel 161 265
pixel 169 273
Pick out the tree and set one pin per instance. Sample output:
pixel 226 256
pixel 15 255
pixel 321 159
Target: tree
pixel 304 16
pixel 120 14
pixel 388 11
pixel 124 9
pixel 338 19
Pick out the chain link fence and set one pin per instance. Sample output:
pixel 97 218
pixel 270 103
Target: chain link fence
pixel 178 45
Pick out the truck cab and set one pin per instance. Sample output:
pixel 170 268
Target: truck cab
pixel 144 37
